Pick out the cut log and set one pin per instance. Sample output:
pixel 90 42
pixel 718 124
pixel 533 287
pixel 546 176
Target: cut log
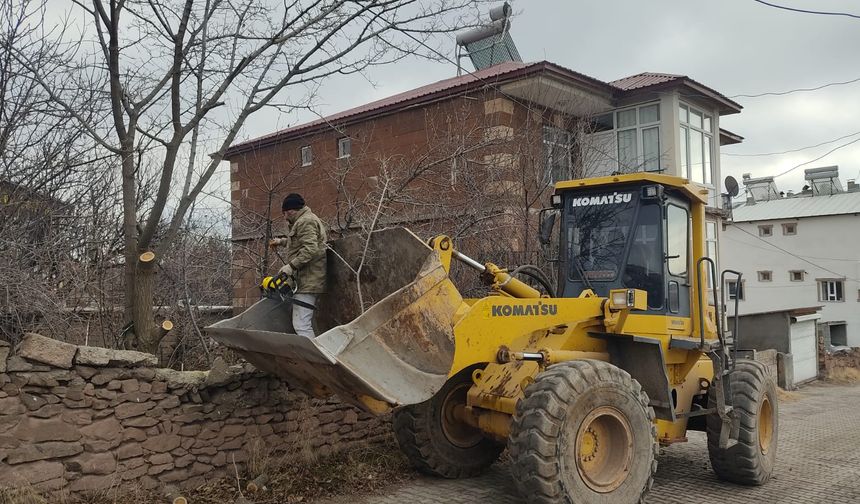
pixel 165 327
pixel 173 495
pixel 258 484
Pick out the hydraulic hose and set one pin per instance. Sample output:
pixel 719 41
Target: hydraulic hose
pixel 532 271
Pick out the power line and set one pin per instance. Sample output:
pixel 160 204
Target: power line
pixel 805 11
pixel 818 158
pixel 793 150
pixel 798 90
pixel 840 275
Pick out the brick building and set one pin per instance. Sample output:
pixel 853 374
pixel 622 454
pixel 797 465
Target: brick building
pixel 473 156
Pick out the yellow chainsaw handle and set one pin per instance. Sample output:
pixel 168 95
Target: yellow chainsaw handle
pixel 282 285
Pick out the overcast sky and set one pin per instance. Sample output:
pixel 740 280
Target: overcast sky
pixel 733 46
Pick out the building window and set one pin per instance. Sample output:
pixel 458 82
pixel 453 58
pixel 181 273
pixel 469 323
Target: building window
pixel 697 145
pixel 789 229
pixel 638 135
pixel 831 290
pixel 765 276
pixel 556 147
pixel 735 291
pixel 307 155
pixel 796 275
pixel 765 230
pixel 344 147
pixel 711 242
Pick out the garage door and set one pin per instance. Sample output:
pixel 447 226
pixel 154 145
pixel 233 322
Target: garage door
pixel 804 348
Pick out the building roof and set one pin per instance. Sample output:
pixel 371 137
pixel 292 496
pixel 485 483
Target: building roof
pixel 645 79
pixel 797 207
pixel 491 76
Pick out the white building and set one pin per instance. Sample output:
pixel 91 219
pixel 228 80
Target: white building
pixel 798 251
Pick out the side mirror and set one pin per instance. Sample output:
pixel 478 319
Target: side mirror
pixel 547 224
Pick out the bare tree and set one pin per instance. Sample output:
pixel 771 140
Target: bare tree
pixel 176 72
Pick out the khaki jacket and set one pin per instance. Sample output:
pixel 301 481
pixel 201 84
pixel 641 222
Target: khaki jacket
pixel 306 252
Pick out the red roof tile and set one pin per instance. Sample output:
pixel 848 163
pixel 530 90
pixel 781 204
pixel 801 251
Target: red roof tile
pixel 430 89
pixel 644 79
pixel 511 69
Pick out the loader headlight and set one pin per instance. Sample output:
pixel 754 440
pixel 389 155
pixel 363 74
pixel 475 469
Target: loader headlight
pixel 634 299
pixel 556 200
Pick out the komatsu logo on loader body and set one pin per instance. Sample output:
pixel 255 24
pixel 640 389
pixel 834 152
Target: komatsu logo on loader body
pixel 605 199
pixel 524 310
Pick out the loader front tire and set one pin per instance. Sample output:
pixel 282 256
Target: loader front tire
pixel 584 433
pixel 750 461
pixel 436 443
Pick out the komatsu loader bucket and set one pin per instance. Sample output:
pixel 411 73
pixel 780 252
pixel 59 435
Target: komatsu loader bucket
pixel 385 339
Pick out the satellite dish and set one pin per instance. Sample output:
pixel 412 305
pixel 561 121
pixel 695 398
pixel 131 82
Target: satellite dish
pixel 731 185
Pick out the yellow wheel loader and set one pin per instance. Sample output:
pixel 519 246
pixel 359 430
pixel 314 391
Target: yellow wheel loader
pixel 582 382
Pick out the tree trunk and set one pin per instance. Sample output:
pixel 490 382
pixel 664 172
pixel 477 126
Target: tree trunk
pixel 144 324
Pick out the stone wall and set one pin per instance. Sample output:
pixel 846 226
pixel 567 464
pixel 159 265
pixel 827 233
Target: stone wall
pixel 84 419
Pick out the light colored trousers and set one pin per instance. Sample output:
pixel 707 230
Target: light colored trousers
pixel 303 318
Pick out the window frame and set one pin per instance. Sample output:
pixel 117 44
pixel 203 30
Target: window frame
pixel 309 160
pixel 765 275
pixel 340 150
pixel 552 139
pixel 639 128
pixel 791 275
pixel 729 283
pixel 765 227
pixel 785 226
pixel 686 112
pixel 824 283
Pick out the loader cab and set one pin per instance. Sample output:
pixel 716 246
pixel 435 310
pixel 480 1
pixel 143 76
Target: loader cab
pixel 634 235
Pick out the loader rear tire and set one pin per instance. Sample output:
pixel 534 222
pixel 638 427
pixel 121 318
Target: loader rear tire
pixel 439 445
pixel 584 433
pixel 750 461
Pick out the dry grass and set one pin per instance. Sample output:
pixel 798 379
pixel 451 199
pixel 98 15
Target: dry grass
pixel 291 480
pixel 359 470
pixel 843 375
pixel 787 395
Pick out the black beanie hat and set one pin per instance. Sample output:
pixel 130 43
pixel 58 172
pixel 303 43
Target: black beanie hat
pixel 293 201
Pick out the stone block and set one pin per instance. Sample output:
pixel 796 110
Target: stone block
pixel 4 353
pixel 38 430
pixel 130 385
pixel 134 472
pixel 158 469
pixel 189 430
pixel 184 461
pixel 106 394
pixel 48 378
pixel 162 443
pixel 128 410
pixel 159 387
pixel 105 357
pixel 78 417
pixel 101 446
pixel 86 372
pixel 92 463
pixel 169 403
pixel 175 475
pixel 130 433
pixel 47 350
pixel 8 422
pixel 34 473
pixel 32 402
pixel 42 451
pixel 144 373
pixel 161 459
pixel 92 483
pixel 129 450
pixel 141 421
pixel 11 406
pixel 106 429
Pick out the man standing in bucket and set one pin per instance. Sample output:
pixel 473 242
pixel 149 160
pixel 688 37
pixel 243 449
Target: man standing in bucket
pixel 306 260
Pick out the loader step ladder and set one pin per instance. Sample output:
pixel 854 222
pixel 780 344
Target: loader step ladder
pixel 723 361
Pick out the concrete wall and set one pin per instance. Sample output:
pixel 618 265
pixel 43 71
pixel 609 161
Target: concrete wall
pixel 764 331
pixel 830 242
pixel 85 419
